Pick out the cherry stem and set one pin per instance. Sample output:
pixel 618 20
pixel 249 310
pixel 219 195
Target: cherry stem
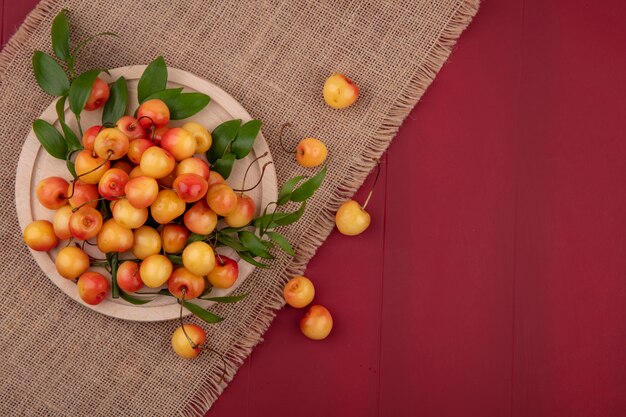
pixel 193 344
pixel 262 229
pixel 75 209
pixel 245 175
pixel 110 153
pixel 280 137
pixel 367 200
pixel 258 182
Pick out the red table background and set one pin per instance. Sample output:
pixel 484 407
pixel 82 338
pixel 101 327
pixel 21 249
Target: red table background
pixel 492 281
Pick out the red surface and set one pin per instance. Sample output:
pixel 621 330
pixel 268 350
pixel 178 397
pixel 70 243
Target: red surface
pixel 493 279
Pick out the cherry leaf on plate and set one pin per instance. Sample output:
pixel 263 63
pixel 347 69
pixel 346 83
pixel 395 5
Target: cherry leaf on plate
pixel 49 74
pixel 153 79
pixel 60 34
pixel 187 104
pixel 166 95
pixel 50 139
pixel 80 90
pixel 242 145
pixel 115 107
pixel 224 165
pixel 222 137
pixel 73 144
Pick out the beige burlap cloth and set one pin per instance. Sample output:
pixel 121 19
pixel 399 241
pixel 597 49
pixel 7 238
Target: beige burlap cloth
pixel 59 358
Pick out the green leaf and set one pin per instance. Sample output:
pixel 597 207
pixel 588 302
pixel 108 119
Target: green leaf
pixel 112 259
pixel 222 136
pixel 80 90
pixel 201 313
pixel 272 220
pixel 231 242
pixel 248 132
pixel 115 107
pixel 153 79
pixel 50 139
pixel 248 258
pixel 134 300
pixel 282 242
pixel 231 299
pixel 82 44
pixel 73 144
pixel 61 36
pixel 224 165
pixel 49 74
pixel 194 237
pixel 285 192
pixel 254 244
pixel 307 189
pixel 165 95
pixel 175 259
pixel 70 166
pixel 187 104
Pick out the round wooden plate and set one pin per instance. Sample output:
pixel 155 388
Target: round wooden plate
pixel 35 164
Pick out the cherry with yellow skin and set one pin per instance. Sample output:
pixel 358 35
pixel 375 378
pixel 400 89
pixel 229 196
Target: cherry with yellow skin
pixel 85 223
pixel 147 242
pixel 167 207
pixel 201 135
pixel 311 152
pixel 71 262
pixel 199 258
pixel 111 144
pixel 39 236
pixel 155 270
pixel 215 178
pixel 52 192
pixel 130 127
pixel 183 280
pixel 89 137
pixel 128 277
pixel 92 287
pixel 153 113
pixel 225 273
pixel 339 91
pixel 114 238
pixel 351 219
pixel 179 143
pixel 194 165
pixel 157 163
pixel 127 215
pixel 299 291
pixel 181 345
pixel 200 218
pixel 243 213
pixel 61 222
pixel 317 323
pixel 222 199
pixel 90 168
pixel 112 183
pixel 98 96
pixel 125 166
pixel 136 148
pixel 79 194
pixel 136 172
pixel 141 191
pixel 174 237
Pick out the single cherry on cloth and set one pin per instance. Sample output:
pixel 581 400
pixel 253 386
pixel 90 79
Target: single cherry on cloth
pixel 181 344
pixel 98 96
pixel 52 192
pixel 339 91
pixel 311 152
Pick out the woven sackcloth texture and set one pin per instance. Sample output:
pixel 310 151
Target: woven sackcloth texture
pixel 60 358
